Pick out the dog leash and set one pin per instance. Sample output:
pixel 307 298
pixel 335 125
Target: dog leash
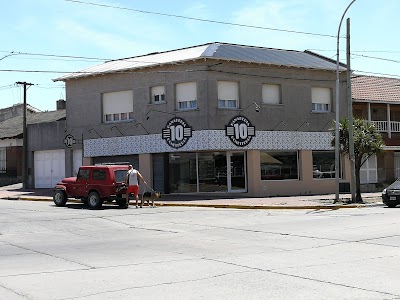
pixel 149 187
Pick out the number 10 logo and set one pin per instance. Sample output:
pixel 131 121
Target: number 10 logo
pixel 240 131
pixel 177 132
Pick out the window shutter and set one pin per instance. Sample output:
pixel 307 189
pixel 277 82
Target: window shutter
pixel 117 102
pixel 321 95
pixel 228 90
pixel 271 93
pixel 186 91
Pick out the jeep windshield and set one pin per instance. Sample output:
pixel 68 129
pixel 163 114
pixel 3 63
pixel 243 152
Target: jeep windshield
pixel 120 175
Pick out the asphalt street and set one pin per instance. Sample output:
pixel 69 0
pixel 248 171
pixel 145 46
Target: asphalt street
pixel 47 252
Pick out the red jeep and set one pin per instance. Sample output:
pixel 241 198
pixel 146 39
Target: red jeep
pixel 94 185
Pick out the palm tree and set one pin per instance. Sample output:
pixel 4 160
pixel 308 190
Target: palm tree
pixel 367 142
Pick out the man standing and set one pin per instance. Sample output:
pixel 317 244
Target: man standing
pixel 132 184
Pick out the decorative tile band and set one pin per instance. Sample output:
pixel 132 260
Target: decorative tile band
pixel 212 140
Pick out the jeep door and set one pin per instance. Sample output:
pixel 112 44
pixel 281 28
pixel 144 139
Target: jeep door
pixel 102 182
pixel 82 181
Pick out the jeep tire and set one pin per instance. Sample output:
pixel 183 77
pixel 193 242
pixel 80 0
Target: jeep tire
pixel 60 198
pixel 121 202
pixel 94 200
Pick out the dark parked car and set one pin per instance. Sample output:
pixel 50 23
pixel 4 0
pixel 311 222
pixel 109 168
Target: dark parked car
pixel 391 195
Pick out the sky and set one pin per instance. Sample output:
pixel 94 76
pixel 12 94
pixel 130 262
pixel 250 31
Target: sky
pixel 44 39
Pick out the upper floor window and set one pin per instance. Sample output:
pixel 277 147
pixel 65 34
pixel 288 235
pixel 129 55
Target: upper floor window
pixel 228 94
pixel 271 94
pixel 321 99
pixel 118 106
pixel 186 95
pixel 158 94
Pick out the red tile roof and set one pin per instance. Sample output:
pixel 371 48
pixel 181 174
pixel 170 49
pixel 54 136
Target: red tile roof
pixel 375 89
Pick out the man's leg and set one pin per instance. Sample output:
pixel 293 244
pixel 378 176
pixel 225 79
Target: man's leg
pixel 137 200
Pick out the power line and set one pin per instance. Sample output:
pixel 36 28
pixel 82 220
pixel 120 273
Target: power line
pixel 180 71
pixel 375 73
pixel 354 51
pixel 199 19
pixel 378 58
pixel 129 59
pixel 51 55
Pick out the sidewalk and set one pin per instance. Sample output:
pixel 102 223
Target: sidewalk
pixel 241 201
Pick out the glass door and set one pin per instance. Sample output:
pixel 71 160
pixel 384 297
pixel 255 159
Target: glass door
pixel 237 176
pixel 212 175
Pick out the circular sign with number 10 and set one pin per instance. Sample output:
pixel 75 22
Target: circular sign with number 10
pixel 240 131
pixel 177 132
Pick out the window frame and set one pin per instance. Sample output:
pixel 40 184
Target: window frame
pixel 321 105
pixel 225 103
pixel 117 116
pixel 273 176
pixel 157 97
pixel 264 97
pixel 320 173
pixel 190 104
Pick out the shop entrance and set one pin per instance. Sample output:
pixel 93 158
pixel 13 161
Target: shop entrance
pixel 237 179
pixel 207 172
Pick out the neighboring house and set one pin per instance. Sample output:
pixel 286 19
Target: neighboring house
pixel 11 140
pixel 214 118
pixel 377 99
pixel 15 111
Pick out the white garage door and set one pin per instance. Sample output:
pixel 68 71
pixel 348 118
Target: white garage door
pixel 49 168
pixel 77 161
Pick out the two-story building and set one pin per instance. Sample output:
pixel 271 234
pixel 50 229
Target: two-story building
pixel 214 118
pixel 377 99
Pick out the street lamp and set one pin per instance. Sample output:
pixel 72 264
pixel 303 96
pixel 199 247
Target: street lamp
pixel 337 150
pixel 158 111
pixel 257 107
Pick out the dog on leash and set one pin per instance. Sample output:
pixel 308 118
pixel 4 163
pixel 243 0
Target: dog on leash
pixel 150 196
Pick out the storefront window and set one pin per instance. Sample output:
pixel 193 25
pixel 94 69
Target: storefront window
pixel 182 172
pixel 323 164
pixel 212 172
pixel 278 165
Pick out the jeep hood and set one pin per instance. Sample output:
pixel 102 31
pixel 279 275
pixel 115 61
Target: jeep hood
pixel 69 180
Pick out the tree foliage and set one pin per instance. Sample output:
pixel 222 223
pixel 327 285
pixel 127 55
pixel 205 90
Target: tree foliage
pixel 367 142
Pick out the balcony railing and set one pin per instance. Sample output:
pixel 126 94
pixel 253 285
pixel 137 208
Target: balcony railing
pixel 382 126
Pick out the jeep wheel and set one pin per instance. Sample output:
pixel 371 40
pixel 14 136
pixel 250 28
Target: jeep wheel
pixel 121 202
pixel 94 200
pixel 60 198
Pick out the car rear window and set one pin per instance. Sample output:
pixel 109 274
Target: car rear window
pixel 120 175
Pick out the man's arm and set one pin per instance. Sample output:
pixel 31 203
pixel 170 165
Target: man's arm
pixel 126 177
pixel 141 177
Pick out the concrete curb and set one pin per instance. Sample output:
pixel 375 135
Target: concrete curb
pixel 231 206
pixel 316 207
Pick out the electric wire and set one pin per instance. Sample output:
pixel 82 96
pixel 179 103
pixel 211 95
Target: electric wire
pixel 199 19
pixel 377 58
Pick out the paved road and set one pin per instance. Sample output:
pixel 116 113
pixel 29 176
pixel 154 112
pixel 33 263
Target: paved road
pixel 197 253
pixel 225 200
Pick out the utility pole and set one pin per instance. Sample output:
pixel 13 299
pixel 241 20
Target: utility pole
pixel 25 140
pixel 350 114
